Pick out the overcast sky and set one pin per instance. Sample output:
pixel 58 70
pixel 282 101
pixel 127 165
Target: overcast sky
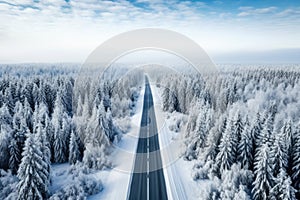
pixel 67 31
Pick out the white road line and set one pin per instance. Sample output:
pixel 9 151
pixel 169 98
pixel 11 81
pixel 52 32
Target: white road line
pixel 148 183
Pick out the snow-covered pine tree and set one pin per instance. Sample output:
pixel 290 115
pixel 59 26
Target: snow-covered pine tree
pixel 283 189
pixel 296 159
pixel 35 94
pixel 32 172
pixel 256 130
pixel 263 173
pixel 214 139
pixel 267 131
pixel 67 96
pixel 5 136
pixel 245 147
pixel 278 154
pixel 18 137
pixel 41 137
pixel 35 118
pixel 197 139
pixel 59 120
pixel 95 141
pixel 50 94
pixel 173 99
pixel 42 98
pixel 288 139
pixel 9 102
pixel 227 150
pixel 27 111
pixel 165 98
pixel 5 116
pixel 14 156
pixel 59 154
pixel 43 114
pixel 238 128
pixel 182 96
pixel 74 153
pixel 109 128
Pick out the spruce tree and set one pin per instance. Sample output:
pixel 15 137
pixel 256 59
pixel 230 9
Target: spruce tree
pixel 283 189
pixel 14 156
pixel 32 172
pixel 296 159
pixel 42 139
pixel 74 153
pixel 227 149
pixel 245 147
pixel 278 153
pixel 263 173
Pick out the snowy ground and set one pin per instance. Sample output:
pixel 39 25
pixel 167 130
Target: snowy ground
pixel 60 176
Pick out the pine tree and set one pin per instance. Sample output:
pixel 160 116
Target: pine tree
pixel 238 127
pixel 278 153
pixel 263 173
pixel 27 111
pixel 95 141
pixel 267 131
pixel 173 99
pixel 74 153
pixel 182 96
pixel 109 126
pixel 32 171
pixel 287 140
pixel 283 189
pixel 61 131
pixel 227 149
pixel 5 137
pixel 14 156
pixel 59 145
pixel 201 128
pixel 296 159
pixel 42 139
pixel 67 96
pixel 245 147
pixel 256 134
pixel 9 102
pixel 166 96
pixel 5 116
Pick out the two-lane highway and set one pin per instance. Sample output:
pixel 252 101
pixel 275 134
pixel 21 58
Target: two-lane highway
pixel 148 180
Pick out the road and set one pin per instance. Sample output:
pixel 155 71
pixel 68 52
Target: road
pixel 147 181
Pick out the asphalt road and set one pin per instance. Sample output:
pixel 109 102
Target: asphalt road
pixel 148 180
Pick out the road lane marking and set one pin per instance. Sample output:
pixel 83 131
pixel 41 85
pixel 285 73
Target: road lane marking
pixel 148 181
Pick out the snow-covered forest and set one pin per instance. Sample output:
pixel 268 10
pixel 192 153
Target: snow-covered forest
pixel 45 120
pixel 241 129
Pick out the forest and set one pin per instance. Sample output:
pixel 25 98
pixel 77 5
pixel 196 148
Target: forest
pixel 242 129
pixel 46 120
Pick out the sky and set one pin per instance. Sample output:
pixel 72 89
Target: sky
pixel 228 30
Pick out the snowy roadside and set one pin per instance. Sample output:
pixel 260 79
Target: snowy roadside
pixel 116 181
pixel 177 171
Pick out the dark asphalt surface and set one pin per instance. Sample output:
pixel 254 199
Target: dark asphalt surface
pixel 148 180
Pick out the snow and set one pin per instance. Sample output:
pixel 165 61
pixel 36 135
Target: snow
pixel 116 181
pixel 177 172
pixel 59 176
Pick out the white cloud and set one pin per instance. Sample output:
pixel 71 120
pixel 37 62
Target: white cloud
pixel 250 11
pixel 289 12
